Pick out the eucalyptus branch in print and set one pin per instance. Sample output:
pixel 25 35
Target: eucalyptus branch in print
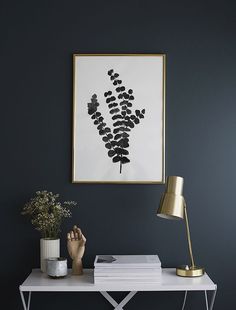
pixel 124 120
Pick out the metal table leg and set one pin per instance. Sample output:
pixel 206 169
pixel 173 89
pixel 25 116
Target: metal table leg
pixel 26 307
pixel 206 300
pixel 213 299
pixel 210 306
pixel 184 302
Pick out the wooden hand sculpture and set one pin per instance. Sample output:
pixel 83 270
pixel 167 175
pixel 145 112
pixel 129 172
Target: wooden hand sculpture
pixel 76 247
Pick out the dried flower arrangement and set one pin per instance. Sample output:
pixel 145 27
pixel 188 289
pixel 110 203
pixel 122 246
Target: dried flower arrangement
pixel 47 212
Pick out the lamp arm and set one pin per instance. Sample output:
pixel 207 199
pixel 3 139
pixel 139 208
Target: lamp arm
pixel 188 235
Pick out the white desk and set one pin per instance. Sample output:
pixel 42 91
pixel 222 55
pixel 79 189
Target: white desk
pixel 40 282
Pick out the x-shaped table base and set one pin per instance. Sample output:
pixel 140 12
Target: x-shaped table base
pixel 122 303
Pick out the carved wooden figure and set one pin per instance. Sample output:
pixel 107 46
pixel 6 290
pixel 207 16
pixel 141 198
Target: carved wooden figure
pixel 76 247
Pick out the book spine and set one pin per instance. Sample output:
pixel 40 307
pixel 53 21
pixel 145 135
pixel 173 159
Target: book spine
pixel 127 270
pixel 126 281
pixel 115 266
pixel 127 274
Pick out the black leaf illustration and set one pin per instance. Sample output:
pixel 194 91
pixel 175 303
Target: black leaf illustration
pixel 116 117
pixel 116 139
pixel 116 130
pixel 111 153
pixel 120 151
pixel 125 160
pixel 118 123
pixel 126 129
pixel 125 135
pixel 108 145
pixel 116 110
pixel 102 132
pixel 118 136
pixel 99 127
pixel 130 124
pixel 113 143
pixel 110 136
pixel 123 142
pixel 116 159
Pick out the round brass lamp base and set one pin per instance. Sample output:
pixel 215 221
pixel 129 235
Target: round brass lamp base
pixel 192 271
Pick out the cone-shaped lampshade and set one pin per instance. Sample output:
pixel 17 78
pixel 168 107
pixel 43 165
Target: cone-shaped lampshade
pixel 172 202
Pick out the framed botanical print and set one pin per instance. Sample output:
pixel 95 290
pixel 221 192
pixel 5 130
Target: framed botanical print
pixel 118 118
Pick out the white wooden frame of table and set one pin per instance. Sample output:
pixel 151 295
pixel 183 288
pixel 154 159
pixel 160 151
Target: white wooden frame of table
pixel 40 282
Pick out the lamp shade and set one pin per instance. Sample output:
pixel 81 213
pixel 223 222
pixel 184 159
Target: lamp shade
pixel 172 202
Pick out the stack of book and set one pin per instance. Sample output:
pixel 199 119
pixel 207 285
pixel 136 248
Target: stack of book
pixel 127 269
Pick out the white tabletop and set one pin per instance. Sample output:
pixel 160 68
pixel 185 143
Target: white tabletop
pixel 40 282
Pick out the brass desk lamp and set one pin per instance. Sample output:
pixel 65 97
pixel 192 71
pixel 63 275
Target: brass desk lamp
pixel 173 207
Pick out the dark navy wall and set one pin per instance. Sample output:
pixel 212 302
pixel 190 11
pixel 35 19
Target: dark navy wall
pixel 38 39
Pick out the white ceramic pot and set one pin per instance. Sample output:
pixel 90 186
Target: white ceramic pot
pixel 48 248
pixel 57 267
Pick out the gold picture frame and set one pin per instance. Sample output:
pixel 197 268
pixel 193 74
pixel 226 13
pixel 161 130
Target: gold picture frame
pixel 86 163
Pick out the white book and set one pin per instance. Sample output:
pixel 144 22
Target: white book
pixel 127 270
pixel 126 281
pixel 117 272
pixel 128 277
pixel 123 275
pixel 127 261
